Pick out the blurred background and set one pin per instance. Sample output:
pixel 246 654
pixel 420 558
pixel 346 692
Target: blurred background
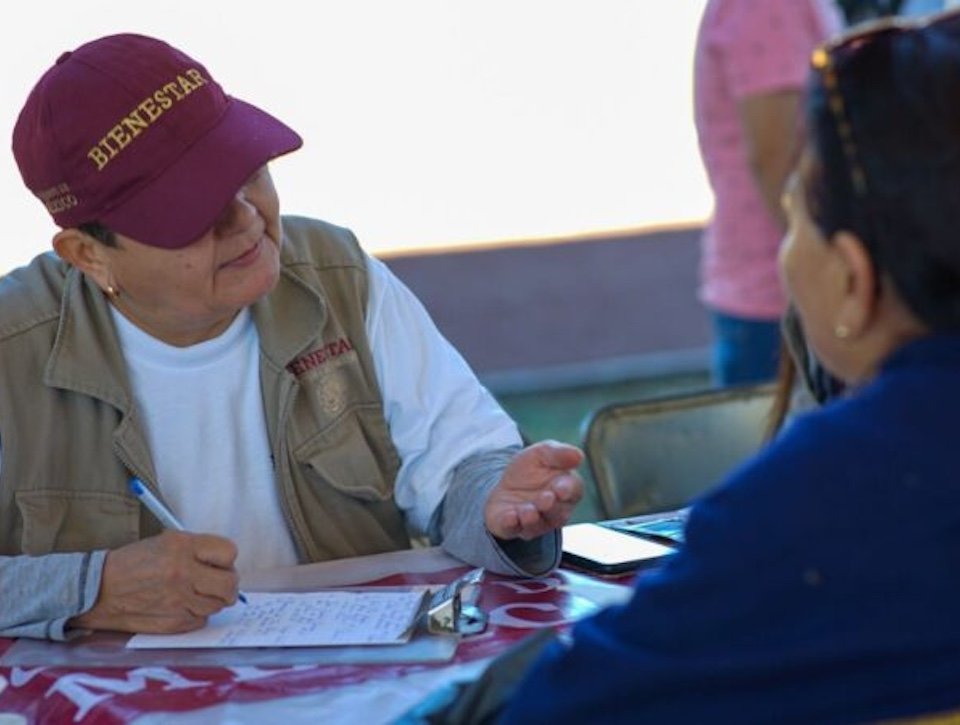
pixel 528 167
pixel 427 122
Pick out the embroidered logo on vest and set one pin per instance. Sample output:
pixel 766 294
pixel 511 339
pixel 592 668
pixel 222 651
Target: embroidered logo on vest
pixel 316 358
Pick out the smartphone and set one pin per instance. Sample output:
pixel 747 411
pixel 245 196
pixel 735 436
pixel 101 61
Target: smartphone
pixel 599 549
pixel 668 530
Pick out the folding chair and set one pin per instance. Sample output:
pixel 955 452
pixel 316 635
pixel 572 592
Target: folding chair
pixel 657 455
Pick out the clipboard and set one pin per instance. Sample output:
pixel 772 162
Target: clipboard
pixel 434 638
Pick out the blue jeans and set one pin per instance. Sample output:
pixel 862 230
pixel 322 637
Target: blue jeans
pixel 744 351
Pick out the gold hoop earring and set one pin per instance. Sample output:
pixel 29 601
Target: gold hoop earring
pixel 841 331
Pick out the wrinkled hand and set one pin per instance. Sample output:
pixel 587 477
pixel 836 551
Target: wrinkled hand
pixel 537 492
pixel 164 584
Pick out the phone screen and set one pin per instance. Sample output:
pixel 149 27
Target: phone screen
pixel 598 548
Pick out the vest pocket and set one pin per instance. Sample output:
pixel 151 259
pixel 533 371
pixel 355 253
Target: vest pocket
pixel 353 455
pixel 62 521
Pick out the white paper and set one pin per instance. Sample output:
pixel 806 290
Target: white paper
pixel 307 619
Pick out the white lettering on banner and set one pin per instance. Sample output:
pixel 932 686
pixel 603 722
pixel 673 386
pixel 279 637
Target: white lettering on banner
pixel 502 617
pixel 20 677
pixel 245 674
pixel 532 586
pixel 84 690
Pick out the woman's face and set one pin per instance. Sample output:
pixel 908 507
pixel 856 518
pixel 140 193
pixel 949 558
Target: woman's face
pixel 809 269
pixel 190 294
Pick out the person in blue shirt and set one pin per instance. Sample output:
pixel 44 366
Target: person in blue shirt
pixel 820 583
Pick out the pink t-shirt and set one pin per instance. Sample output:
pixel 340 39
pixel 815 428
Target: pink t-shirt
pixel 746 48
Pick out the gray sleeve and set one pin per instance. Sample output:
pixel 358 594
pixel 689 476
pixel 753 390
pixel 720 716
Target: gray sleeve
pixel 38 594
pixel 459 527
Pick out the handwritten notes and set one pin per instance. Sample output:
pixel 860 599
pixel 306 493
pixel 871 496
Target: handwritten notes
pixel 335 618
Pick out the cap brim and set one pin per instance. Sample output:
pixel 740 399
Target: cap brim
pixel 184 201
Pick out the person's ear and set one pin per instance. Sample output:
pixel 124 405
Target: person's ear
pixel 858 277
pixel 86 254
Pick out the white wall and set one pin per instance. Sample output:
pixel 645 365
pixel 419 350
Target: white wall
pixel 427 122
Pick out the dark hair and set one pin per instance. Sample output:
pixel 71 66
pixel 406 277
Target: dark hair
pixel 783 392
pixel 900 96
pixel 101 233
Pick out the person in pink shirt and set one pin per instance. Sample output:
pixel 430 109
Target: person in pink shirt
pixel 750 66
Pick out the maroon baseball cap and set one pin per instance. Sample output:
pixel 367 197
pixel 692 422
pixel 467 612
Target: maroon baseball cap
pixel 132 133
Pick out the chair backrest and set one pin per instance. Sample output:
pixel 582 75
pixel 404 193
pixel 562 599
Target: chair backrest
pixel 656 455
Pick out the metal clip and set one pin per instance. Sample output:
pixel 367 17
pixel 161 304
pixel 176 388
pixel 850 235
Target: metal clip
pixel 453 609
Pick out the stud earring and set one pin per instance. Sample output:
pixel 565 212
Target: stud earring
pixel 112 292
pixel 841 331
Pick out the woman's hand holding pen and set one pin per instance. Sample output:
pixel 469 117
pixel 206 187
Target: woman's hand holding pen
pixel 164 584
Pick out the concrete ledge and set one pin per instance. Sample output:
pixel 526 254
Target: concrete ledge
pixel 570 310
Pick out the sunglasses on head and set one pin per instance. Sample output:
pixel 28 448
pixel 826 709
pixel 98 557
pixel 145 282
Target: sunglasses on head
pixel 830 57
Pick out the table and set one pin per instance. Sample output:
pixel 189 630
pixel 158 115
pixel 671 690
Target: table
pixel 52 684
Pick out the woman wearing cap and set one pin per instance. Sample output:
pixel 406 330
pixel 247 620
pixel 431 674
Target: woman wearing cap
pixel 819 583
pixel 284 395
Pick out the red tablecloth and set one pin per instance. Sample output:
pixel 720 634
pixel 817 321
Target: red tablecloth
pixel 110 695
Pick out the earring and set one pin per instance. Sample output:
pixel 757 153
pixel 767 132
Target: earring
pixel 841 331
pixel 112 292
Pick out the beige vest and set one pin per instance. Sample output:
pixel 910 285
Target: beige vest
pixel 71 436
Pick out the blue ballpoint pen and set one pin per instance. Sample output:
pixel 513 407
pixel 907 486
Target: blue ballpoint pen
pixel 163 514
